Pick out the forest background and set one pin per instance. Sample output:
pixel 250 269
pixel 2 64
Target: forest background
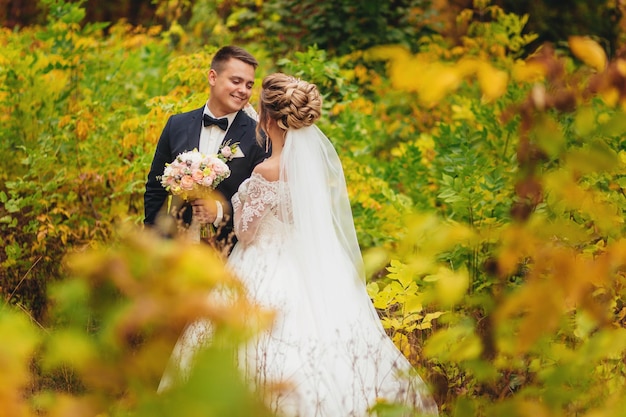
pixel 483 145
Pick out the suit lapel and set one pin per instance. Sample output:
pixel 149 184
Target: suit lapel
pixel 194 128
pixel 237 129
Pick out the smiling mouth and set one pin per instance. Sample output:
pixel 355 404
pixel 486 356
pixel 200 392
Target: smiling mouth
pixel 239 98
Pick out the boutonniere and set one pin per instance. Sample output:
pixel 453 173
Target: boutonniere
pixel 230 151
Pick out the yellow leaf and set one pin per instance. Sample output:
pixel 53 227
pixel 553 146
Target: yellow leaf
pixel 467 67
pixel 549 136
pixel 610 96
pixel 20 340
pixel 413 303
pixel 451 285
pixel 528 408
pixel 493 82
pixel 454 344
pixel 529 72
pixel 585 120
pixel 588 51
pixel 374 260
pixel 82 350
pixel 388 52
pixel 432 316
pixel 383 299
pixel 372 289
pixel 399 272
pixel 391 323
pixel 402 342
pixel 68 405
pixel 442 80
pixel 422 265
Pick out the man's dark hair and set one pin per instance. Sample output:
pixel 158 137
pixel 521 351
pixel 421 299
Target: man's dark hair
pixel 227 52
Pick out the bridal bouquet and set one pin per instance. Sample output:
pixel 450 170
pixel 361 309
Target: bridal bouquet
pixel 194 175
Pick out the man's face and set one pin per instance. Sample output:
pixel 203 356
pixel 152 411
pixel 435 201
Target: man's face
pixel 231 87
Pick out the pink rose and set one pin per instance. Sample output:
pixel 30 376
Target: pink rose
pixel 207 181
pixel 227 152
pixel 197 175
pixel 186 182
pixel 220 168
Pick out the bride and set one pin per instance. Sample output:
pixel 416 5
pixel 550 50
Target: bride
pixel 326 353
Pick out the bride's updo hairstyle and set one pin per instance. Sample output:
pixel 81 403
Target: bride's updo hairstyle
pixel 293 103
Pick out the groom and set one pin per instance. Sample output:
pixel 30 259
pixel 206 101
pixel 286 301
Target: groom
pixel 220 122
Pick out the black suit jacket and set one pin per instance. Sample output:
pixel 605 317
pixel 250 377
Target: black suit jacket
pixel 181 134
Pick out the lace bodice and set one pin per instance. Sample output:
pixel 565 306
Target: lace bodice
pixel 256 208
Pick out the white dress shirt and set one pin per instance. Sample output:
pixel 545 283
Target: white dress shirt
pixel 211 137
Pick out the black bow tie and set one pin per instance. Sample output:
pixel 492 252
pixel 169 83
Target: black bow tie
pixel 221 123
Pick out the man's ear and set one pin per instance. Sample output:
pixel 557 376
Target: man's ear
pixel 212 76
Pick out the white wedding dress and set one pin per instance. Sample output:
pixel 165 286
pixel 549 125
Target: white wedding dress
pixel 326 349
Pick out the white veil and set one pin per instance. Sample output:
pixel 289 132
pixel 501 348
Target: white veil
pixel 324 243
pixel 311 171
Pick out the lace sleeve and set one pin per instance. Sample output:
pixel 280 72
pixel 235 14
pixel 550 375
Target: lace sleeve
pixel 255 198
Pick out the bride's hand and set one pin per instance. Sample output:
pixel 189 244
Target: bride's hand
pixel 204 211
